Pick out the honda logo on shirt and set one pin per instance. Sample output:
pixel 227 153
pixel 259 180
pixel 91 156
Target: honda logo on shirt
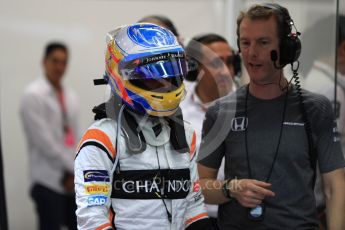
pixel 239 123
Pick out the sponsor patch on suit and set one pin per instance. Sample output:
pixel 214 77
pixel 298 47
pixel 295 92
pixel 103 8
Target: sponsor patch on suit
pixel 96 175
pixel 96 200
pixel 101 189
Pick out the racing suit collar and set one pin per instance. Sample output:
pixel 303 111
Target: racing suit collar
pixel 155 130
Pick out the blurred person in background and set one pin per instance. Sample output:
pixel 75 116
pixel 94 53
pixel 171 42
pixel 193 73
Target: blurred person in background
pixel 213 65
pixel 321 79
pixel 49 114
pixel 320 76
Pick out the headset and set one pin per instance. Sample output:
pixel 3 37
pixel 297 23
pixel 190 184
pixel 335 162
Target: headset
pixel 290 44
pixel 193 50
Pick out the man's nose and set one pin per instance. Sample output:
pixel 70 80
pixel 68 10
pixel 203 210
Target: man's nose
pixel 225 69
pixel 253 50
pixel 60 65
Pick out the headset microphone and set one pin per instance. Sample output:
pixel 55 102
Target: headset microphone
pixel 274 55
pixel 274 58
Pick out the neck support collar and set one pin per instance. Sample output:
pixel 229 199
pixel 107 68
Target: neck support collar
pixel 134 137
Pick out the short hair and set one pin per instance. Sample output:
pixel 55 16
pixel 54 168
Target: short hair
pixel 194 46
pixel 164 20
pixel 262 12
pixel 51 47
pixel 209 38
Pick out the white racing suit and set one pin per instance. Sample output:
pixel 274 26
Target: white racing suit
pixel 146 190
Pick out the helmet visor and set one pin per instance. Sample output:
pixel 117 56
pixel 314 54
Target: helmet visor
pixel 155 67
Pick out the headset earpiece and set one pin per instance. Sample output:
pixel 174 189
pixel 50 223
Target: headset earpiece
pixel 237 64
pixel 238 44
pixel 290 49
pixel 290 44
pixel 193 69
pixel 193 51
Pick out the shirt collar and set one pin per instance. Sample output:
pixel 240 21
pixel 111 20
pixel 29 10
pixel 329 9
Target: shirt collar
pixel 196 99
pixel 48 86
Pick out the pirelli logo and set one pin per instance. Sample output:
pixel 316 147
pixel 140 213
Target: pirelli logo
pixel 97 189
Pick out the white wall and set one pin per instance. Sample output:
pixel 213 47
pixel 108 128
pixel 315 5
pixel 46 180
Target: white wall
pixel 26 26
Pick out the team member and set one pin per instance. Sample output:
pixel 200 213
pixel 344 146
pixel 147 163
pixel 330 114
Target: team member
pixel 213 67
pixel 275 133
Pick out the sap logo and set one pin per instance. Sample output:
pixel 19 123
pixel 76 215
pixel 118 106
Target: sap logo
pixel 239 123
pixel 150 36
pixel 96 175
pixel 96 200
pixel 97 189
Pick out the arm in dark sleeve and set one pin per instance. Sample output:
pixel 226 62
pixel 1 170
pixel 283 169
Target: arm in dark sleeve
pixel 330 156
pixel 215 129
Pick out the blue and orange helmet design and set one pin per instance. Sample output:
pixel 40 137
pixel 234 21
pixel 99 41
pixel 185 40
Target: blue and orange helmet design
pixel 145 67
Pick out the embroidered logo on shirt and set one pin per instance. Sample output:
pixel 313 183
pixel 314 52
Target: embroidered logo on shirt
pixel 336 108
pixel 239 123
pixel 336 134
pixel 293 123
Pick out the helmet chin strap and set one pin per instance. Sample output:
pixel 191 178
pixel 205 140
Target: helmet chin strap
pixel 134 137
